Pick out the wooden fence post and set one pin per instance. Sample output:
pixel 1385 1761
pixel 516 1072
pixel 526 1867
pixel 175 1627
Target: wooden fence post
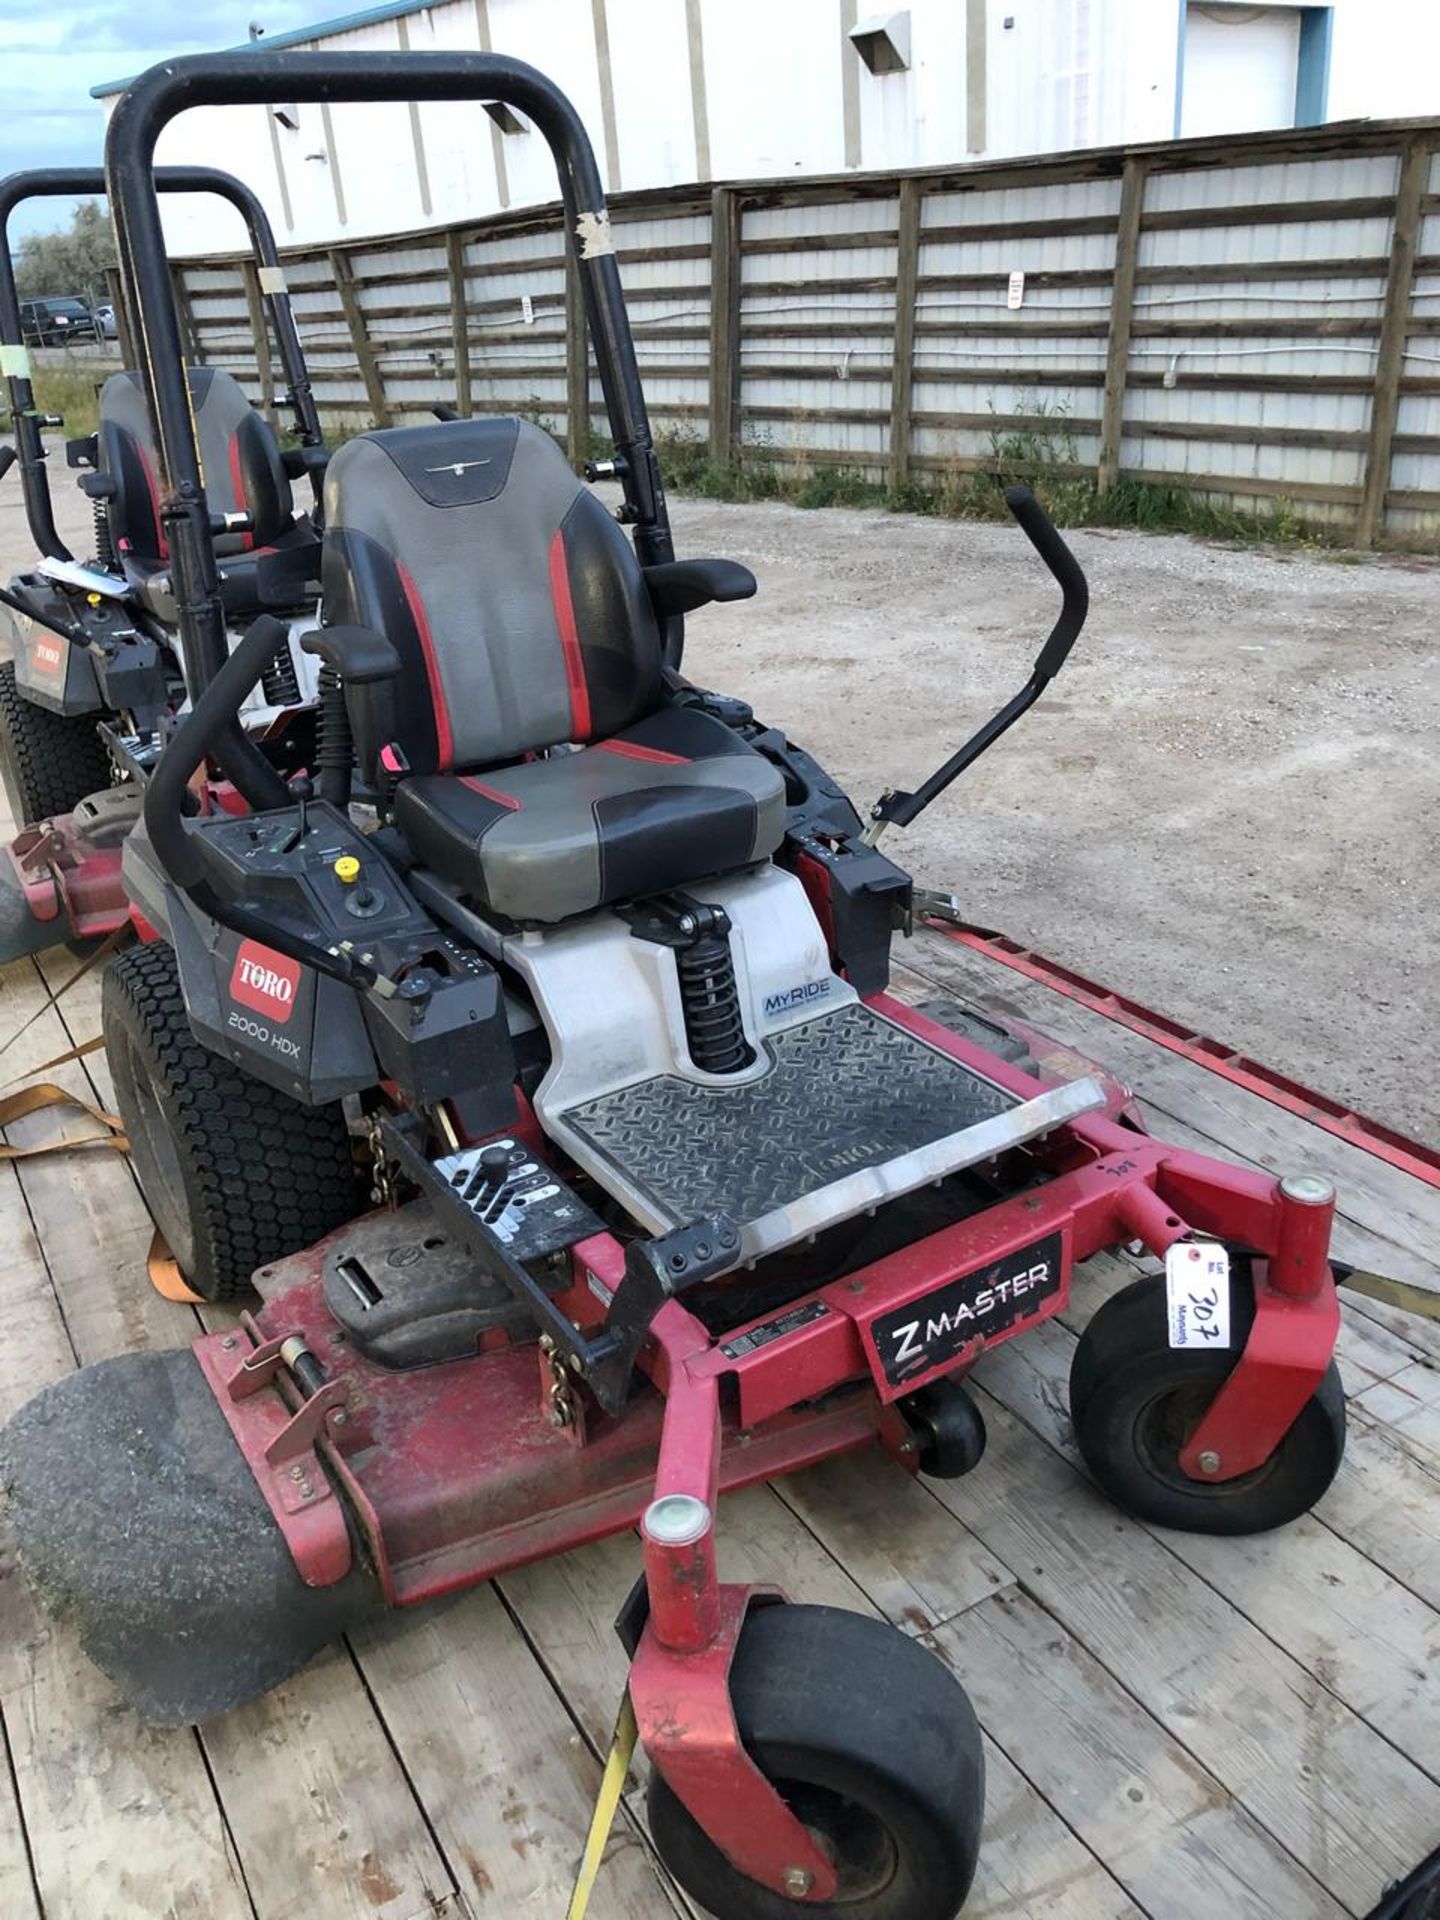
pixel 1122 315
pixel 1415 157
pixel 725 224
pixel 577 367
pixel 122 323
pixel 258 328
pixel 185 314
pixel 459 322
pixel 902 365
pixel 359 339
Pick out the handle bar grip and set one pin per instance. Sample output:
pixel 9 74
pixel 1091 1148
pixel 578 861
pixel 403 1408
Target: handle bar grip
pixel 1040 530
pixel 192 742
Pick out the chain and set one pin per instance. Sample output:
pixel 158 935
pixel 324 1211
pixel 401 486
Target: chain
pixel 382 1174
pixel 562 1400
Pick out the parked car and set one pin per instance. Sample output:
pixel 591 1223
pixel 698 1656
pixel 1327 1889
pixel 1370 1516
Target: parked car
pixel 105 324
pixel 56 319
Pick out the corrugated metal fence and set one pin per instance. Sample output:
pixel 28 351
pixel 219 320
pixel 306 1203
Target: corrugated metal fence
pixel 1255 318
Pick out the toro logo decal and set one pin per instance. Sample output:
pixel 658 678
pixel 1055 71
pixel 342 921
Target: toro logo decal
pixel 265 980
pixel 48 656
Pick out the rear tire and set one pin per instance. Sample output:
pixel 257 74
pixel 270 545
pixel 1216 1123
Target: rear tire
pixel 234 1173
pixel 47 762
pixel 875 1747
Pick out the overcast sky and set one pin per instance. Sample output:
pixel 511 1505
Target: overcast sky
pixel 51 54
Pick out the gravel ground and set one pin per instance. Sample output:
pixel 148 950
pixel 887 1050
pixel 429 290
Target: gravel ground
pixel 1228 806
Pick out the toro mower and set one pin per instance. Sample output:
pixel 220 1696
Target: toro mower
pixel 98 664
pixel 670 1193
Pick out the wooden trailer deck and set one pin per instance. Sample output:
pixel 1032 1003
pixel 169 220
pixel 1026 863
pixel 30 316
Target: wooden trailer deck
pixel 1188 1729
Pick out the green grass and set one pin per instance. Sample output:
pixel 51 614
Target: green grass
pixel 72 391
pixel 1043 458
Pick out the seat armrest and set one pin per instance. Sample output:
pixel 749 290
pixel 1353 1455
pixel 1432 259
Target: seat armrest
pixel 679 586
pixel 298 463
pixel 358 654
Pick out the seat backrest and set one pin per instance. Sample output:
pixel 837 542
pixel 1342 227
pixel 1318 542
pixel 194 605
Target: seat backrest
pixel 239 458
pixel 516 603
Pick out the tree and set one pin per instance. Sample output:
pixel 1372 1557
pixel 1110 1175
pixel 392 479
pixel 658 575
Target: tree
pixel 72 261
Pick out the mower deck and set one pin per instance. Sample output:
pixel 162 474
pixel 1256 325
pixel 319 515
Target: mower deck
pixel 446 1749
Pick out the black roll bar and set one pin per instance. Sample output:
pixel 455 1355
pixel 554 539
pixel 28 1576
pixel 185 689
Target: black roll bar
pixel 257 76
pixel 50 182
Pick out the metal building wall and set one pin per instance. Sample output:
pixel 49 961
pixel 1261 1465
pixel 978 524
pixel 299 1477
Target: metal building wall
pixel 1253 319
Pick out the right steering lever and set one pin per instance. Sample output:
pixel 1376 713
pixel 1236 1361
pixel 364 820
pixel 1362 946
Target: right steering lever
pixel 898 808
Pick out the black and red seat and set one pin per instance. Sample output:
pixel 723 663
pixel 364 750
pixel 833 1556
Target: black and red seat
pixel 524 624
pixel 244 474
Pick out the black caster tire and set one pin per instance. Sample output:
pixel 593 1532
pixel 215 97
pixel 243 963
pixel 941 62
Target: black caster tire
pixel 948 1429
pixel 875 1746
pixel 233 1172
pixel 47 762
pixel 1135 1400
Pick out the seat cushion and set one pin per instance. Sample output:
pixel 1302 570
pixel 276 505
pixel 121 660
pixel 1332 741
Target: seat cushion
pixel 673 799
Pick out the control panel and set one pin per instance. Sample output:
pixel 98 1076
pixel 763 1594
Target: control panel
pixel 518 1199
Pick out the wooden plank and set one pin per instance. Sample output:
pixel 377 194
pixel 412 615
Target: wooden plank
pixel 577 368
pixel 1122 314
pixel 1267 213
pixel 1390 361
pixel 264 369
pixel 19 1898
pixel 506 1780
pixel 315 1796
pixel 725 240
pixel 907 266
pixel 459 321
pixel 1386 1214
pixel 189 338
pixel 359 338
pixel 1331 1791
pixel 917 1564
pixel 1129 1790
pixel 122 323
pixel 1372 1643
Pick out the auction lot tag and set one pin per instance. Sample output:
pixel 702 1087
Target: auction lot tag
pixel 1197 1292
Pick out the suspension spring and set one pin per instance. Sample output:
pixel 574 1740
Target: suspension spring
pixel 104 545
pixel 334 743
pixel 711 1002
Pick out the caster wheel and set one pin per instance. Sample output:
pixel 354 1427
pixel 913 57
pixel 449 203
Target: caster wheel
pixel 872 1743
pixel 1135 1400
pixel 949 1429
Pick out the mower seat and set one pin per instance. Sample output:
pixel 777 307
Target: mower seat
pixel 523 621
pixel 243 474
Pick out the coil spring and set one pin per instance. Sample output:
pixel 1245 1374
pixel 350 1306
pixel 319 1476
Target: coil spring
pixel 334 743
pixel 104 545
pixel 711 1003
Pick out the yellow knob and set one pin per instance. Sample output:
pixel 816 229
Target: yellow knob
pixel 347 869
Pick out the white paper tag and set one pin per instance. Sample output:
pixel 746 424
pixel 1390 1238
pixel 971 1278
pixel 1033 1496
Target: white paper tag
pixel 1015 299
pixel 272 279
pixel 1197 1292
pixel 527 309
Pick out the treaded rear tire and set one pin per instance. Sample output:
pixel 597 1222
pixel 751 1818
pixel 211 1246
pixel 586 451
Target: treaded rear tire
pixel 234 1173
pixel 48 762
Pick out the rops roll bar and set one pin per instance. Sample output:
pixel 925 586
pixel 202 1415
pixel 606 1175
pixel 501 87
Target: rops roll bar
pixel 256 77
pixel 49 182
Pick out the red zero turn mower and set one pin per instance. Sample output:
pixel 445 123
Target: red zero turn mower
pixel 98 668
pixel 672 1194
